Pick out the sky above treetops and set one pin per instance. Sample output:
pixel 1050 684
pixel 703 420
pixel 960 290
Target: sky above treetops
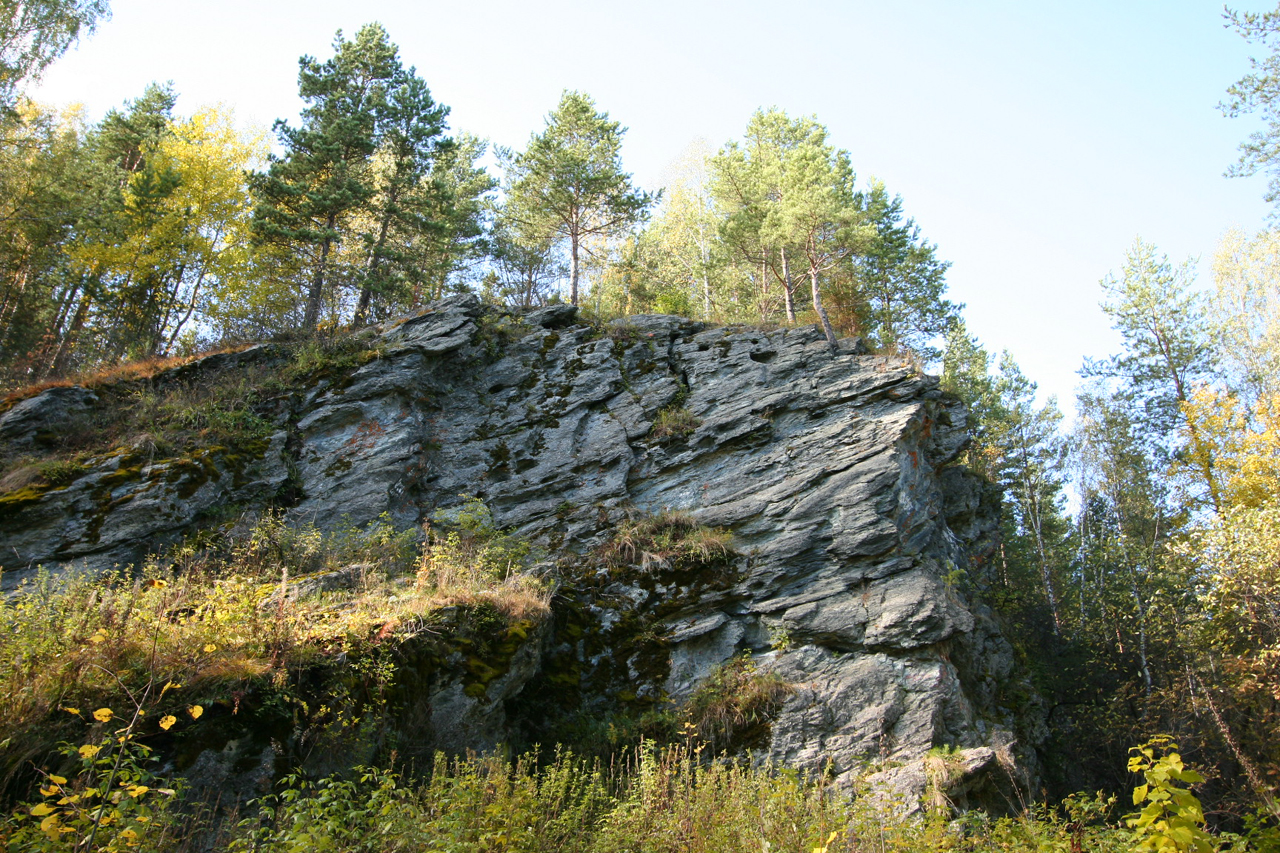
pixel 1033 142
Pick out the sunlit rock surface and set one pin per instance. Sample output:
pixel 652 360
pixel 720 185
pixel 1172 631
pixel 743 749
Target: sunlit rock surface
pixel 852 536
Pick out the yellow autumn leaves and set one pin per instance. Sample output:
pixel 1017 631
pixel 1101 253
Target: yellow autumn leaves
pixel 105 715
pixel 93 800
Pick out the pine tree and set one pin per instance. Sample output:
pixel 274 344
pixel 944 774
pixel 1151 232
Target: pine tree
pixel 569 184
pixel 305 194
pixel 898 282
pixel 410 129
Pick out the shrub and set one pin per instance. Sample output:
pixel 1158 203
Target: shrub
pixel 233 617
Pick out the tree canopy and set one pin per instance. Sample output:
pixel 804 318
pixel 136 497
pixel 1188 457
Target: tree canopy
pixel 33 33
pixel 568 184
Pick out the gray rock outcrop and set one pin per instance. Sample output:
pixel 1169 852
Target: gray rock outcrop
pixel 831 473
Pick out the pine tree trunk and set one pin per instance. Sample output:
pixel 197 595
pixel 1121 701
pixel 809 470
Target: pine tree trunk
pixel 822 312
pixel 366 291
pixel 573 269
pixel 788 294
pixel 186 317
pixel 706 279
pixel 60 358
pixel 764 287
pixel 316 294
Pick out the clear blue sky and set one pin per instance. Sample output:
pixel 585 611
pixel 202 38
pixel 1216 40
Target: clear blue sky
pixel 1032 141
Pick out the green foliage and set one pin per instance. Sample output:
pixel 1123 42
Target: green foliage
pixel 35 33
pixel 468 804
pixel 320 358
pixel 568 184
pixel 244 618
pixel 114 801
pixel 1256 93
pixel 1171 821
pixel 732 709
pixel 303 197
pixel 652 800
pixel 60 472
pixel 895 297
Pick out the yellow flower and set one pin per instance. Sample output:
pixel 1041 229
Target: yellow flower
pixel 195 711
pixel 167 722
pixel 89 750
pixel 102 715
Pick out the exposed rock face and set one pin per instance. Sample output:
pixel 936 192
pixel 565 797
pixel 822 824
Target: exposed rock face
pixel 829 471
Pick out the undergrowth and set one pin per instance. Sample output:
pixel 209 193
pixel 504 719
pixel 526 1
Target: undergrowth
pixel 250 617
pixel 650 800
pixel 148 412
pixel 735 706
pixel 673 423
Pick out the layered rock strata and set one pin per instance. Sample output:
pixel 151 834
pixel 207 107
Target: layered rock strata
pixel 852 532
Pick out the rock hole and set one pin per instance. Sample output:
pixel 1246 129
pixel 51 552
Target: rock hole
pixel 763 357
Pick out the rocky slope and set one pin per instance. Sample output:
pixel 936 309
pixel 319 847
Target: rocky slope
pixel 852 538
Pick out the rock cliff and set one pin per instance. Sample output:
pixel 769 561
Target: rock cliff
pixel 852 536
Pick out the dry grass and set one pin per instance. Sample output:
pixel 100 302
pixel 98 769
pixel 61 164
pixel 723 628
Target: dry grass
pixel 151 422
pixel 671 536
pixel 128 371
pixel 673 423
pixel 479 567
pixel 213 619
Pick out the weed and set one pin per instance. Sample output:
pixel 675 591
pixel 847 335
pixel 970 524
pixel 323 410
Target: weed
pixel 733 708
pixel 1171 819
pixel 468 561
pixel 235 615
pixel 670 537
pixel 673 423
